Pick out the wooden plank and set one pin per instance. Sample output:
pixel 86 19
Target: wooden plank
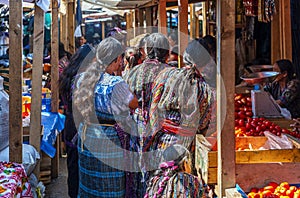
pixel 54 76
pixel 15 80
pixel 287 30
pixel 225 95
pixel 103 29
pixel 260 156
pixel 162 17
pixel 258 175
pixel 149 21
pixel 204 22
pixel 37 71
pixel 192 21
pixel 71 27
pixel 182 28
pixel 64 30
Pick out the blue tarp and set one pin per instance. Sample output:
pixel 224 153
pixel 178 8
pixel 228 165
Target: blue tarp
pixel 53 124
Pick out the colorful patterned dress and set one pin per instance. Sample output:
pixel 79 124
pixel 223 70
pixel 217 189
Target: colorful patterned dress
pixel 101 158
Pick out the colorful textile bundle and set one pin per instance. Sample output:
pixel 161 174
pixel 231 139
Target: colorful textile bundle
pixel 13 181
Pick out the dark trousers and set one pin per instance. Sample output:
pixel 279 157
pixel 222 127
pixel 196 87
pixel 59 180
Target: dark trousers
pixel 73 171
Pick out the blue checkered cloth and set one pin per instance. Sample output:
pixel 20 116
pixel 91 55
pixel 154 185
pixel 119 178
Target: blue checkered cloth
pixel 100 158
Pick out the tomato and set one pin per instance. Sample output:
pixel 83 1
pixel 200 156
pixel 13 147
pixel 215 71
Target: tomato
pixel 278 128
pixel 270 188
pixel 248 126
pixel 258 128
pixel 278 133
pixel 241 115
pixel 263 127
pixel 248 99
pixel 267 123
pixel 266 193
pixel 241 122
pixel 289 193
pixel 274 184
pixel 243 100
pixel 282 190
pixel 249 114
pixel 293 188
pixel 285 131
pixel 254 190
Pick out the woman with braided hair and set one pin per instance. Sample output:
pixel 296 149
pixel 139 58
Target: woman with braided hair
pixel 104 102
pixel 174 178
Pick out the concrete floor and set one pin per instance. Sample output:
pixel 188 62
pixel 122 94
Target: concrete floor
pixel 58 187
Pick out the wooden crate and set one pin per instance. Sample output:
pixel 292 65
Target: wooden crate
pixel 256 167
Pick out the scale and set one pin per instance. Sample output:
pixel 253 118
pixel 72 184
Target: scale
pixel 263 104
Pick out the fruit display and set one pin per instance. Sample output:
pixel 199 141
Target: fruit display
pixel 245 125
pixel 274 190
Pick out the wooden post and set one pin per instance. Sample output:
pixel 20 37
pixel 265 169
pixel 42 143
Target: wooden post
pixel 149 16
pixel 64 30
pixel 54 77
pixel 204 22
pixel 15 80
pixel 103 29
pixel 71 26
pixel 192 21
pixel 225 97
pixel 136 22
pixel 162 17
pixel 281 33
pixel 37 71
pixel 182 28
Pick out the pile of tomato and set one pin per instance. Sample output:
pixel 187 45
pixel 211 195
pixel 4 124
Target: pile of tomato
pixel 245 125
pixel 274 190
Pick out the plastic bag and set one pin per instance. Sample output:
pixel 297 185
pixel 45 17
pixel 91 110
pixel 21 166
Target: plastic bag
pixel 4 117
pixel 277 142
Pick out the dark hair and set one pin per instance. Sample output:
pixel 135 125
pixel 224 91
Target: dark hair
pixel 211 42
pixel 157 47
pixel 197 54
pixel 174 50
pixel 287 66
pixel 142 42
pixel 174 37
pixel 84 54
pixel 132 55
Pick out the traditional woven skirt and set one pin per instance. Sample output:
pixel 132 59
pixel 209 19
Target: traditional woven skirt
pixel 100 162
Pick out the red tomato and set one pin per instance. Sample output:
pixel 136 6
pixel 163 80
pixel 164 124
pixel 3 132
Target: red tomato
pixel 267 123
pixel 249 113
pixel 258 128
pixel 248 126
pixel 263 127
pixel 241 115
pixel 278 128
pixel 241 122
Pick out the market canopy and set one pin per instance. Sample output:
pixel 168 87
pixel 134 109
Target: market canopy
pixel 119 4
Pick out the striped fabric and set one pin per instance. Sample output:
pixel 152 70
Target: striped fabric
pixel 100 151
pixel 4 73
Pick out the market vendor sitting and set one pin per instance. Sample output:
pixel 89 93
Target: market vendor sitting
pixel 285 89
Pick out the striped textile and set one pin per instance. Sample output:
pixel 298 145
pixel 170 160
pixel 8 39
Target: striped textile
pixel 97 146
pixel 4 73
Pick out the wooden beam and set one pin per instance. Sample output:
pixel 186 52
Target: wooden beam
pixel 287 30
pixel 192 21
pixel 64 30
pixel 225 95
pixel 37 72
pixel 281 39
pixel 204 22
pixel 182 27
pixel 71 27
pixel 162 17
pixel 15 80
pixel 54 76
pixel 103 29
pixel 141 17
pixel 149 21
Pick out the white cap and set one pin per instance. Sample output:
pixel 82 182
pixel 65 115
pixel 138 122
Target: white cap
pixel 1 83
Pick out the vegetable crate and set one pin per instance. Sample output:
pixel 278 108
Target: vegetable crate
pixel 253 167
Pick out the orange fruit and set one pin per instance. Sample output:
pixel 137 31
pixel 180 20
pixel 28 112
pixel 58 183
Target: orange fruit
pixel 270 188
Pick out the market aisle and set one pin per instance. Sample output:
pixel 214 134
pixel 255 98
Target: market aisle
pixel 58 187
